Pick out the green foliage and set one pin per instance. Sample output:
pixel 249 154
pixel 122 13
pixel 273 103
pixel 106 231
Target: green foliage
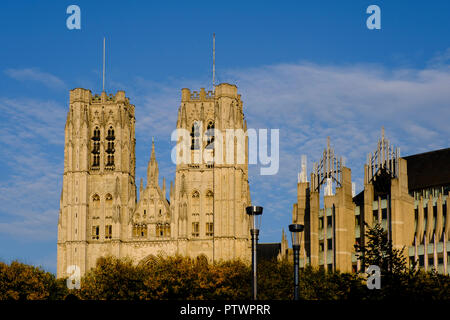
pixel 322 285
pixel 111 279
pixel 168 278
pixel 19 281
pixel 397 280
pixel 177 277
pixel 380 252
pixel 275 280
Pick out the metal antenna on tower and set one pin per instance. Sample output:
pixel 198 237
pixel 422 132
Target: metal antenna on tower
pixel 214 60
pixel 103 64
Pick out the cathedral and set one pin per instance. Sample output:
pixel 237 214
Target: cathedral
pixel 103 213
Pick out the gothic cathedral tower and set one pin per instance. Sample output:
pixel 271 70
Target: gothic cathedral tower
pixel 210 194
pixel 99 193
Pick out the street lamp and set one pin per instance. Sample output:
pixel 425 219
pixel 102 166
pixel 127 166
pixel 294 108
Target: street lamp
pixel 295 230
pixel 254 213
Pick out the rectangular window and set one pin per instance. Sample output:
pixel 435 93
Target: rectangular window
pixel 357 220
pixel 330 244
pixel 329 221
pixel 195 229
pixel 384 214
pixel 375 215
pixel 321 223
pixel 320 246
pixel 434 216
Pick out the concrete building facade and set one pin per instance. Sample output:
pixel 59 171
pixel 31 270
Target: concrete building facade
pixel 407 196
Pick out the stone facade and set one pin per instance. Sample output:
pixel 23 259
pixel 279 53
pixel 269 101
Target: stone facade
pixel 100 213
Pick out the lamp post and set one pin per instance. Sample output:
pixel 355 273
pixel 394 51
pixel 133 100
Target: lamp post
pixel 295 230
pixel 254 213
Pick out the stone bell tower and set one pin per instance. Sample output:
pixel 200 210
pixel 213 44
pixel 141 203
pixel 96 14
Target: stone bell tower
pixel 211 191
pixel 99 193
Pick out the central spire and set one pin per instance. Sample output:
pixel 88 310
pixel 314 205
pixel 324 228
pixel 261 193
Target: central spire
pixel 152 169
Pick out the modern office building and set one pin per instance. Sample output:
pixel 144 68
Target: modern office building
pixel 408 196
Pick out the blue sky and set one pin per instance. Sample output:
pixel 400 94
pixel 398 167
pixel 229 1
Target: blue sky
pixel 311 69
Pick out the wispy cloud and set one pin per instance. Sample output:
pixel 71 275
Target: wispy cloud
pixel 34 74
pixel 307 102
pixel 31 140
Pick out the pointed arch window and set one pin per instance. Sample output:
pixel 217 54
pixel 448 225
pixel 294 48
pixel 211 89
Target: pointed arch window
pixel 195 225
pixel 210 135
pixel 96 201
pixel 95 232
pixel 140 230
pixel 209 225
pixel 108 199
pixel 96 148
pixel 110 147
pixel 162 230
pixel 108 231
pixel 195 136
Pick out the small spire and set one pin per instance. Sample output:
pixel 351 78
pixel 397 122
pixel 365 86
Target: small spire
pixel 328 143
pixel 152 168
pixel 153 157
